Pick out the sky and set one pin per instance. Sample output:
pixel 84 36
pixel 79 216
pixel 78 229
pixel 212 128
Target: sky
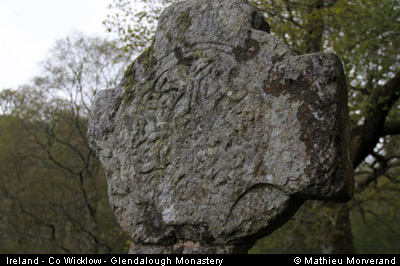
pixel 29 28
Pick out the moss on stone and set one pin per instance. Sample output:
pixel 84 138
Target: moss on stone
pixel 181 71
pixel 168 36
pixel 198 54
pixel 118 101
pixel 183 40
pixel 183 23
pixel 129 82
pixel 148 61
pixel 147 86
pixel 127 94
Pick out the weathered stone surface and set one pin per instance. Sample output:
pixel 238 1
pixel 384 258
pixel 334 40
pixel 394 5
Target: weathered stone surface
pixel 217 133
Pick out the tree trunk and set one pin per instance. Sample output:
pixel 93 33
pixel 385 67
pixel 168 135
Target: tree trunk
pixel 343 237
pixel 341 240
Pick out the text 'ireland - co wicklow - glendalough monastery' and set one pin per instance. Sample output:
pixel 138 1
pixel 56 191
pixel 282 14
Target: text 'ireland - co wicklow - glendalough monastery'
pixel 218 133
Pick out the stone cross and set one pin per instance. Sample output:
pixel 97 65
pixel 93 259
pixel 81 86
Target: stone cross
pixel 218 133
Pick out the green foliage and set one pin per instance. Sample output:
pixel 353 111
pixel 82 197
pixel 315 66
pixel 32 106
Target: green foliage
pixel 376 225
pixel 134 22
pixel 307 232
pixel 300 24
pixel 375 220
pixel 53 191
pixel 78 67
pixel 54 197
pixel 365 36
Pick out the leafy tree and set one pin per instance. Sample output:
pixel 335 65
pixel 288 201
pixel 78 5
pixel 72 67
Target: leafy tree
pixel 54 196
pixel 79 66
pixel 134 22
pixel 365 34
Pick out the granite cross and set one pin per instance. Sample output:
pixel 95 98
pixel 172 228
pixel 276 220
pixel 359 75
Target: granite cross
pixel 218 133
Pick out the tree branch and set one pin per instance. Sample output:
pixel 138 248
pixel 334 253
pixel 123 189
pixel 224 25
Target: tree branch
pixel 380 103
pixel 391 128
pixel 373 177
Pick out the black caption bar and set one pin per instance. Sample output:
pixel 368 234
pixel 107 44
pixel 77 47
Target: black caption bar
pixel 188 260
